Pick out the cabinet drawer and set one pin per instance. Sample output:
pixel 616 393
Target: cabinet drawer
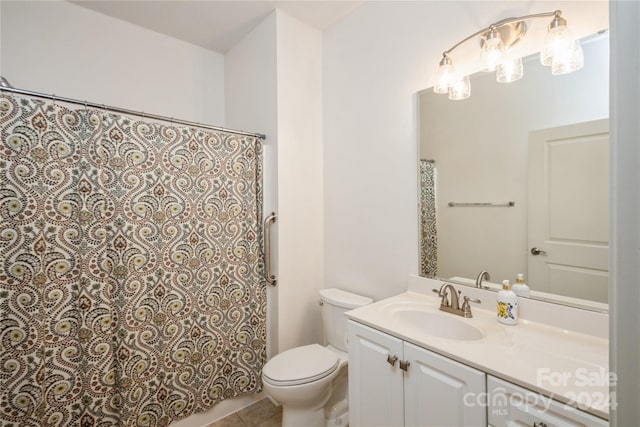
pixel 510 405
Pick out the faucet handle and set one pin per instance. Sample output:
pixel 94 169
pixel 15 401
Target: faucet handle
pixel 445 301
pixel 466 307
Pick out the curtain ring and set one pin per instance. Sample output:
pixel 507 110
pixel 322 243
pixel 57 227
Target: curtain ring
pixel 54 98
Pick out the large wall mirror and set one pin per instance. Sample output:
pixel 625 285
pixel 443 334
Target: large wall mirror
pixel 515 179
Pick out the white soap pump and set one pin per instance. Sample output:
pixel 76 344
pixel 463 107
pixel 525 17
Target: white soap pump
pixel 507 305
pixel 520 288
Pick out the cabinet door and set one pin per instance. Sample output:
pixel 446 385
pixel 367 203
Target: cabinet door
pixel 440 392
pixel 375 385
pixel 513 406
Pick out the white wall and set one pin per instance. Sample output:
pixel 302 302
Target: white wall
pixel 625 229
pixel 486 138
pixel 300 181
pixel 274 80
pixel 61 48
pixel 375 61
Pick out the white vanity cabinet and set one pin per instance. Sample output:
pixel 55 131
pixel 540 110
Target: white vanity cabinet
pixel 510 405
pixel 395 383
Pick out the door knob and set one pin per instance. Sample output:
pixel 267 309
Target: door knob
pixel 536 251
pixel 404 365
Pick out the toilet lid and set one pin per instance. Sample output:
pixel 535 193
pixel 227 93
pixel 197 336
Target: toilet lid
pixel 300 365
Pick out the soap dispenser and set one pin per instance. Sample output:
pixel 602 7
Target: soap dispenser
pixel 520 288
pixel 507 303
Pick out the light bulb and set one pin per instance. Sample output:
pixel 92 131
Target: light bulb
pixel 568 61
pixel 445 76
pixel 557 42
pixel 492 51
pixel 460 89
pixel 509 71
pixel 561 50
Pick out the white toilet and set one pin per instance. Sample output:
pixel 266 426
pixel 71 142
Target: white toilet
pixel 311 381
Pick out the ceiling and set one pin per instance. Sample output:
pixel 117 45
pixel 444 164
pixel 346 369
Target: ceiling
pixel 217 25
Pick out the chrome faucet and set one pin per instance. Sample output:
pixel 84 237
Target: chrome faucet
pixel 484 275
pixel 455 303
pixel 454 306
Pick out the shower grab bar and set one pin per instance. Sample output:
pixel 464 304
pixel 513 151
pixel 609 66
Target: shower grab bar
pixel 270 278
pixel 482 205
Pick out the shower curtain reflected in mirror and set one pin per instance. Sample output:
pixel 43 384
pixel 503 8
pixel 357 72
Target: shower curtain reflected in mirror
pixel 429 236
pixel 131 284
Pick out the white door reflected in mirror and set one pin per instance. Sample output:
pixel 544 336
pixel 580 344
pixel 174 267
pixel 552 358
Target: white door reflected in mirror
pixel 568 216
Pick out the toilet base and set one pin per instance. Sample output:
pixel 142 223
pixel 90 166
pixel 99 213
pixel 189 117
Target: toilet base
pixel 296 417
pixel 340 421
pixel 337 414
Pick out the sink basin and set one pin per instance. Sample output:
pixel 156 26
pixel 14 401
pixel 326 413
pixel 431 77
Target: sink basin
pixel 436 323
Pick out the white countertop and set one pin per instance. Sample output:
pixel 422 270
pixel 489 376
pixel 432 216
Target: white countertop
pixel 568 366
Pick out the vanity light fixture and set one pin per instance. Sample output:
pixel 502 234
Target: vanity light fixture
pixel 492 53
pixel 446 75
pixel 560 51
pixel 460 88
pixel 509 71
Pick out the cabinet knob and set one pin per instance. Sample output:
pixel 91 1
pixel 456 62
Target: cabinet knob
pixel 392 359
pixel 539 424
pixel 404 365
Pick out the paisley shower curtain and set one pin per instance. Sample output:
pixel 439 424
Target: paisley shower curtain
pixel 428 234
pixel 131 290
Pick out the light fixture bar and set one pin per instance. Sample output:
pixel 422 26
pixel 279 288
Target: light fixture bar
pixel 560 51
pixel 500 23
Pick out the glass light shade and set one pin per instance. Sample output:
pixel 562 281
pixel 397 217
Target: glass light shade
pixel 558 42
pixel 509 71
pixel 492 53
pixel 445 77
pixel 570 61
pixel 460 89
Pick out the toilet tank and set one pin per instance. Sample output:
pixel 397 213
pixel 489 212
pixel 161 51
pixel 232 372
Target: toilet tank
pixel 334 304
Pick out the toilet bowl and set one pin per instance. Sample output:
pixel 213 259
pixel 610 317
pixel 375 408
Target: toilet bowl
pixel 305 379
pixel 302 379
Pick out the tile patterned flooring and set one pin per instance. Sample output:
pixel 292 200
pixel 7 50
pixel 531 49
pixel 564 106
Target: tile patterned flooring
pixel 260 414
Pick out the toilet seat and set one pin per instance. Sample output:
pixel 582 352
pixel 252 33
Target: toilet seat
pixel 300 365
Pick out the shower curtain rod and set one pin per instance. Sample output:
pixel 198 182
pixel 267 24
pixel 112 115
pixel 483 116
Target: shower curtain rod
pixel 125 111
